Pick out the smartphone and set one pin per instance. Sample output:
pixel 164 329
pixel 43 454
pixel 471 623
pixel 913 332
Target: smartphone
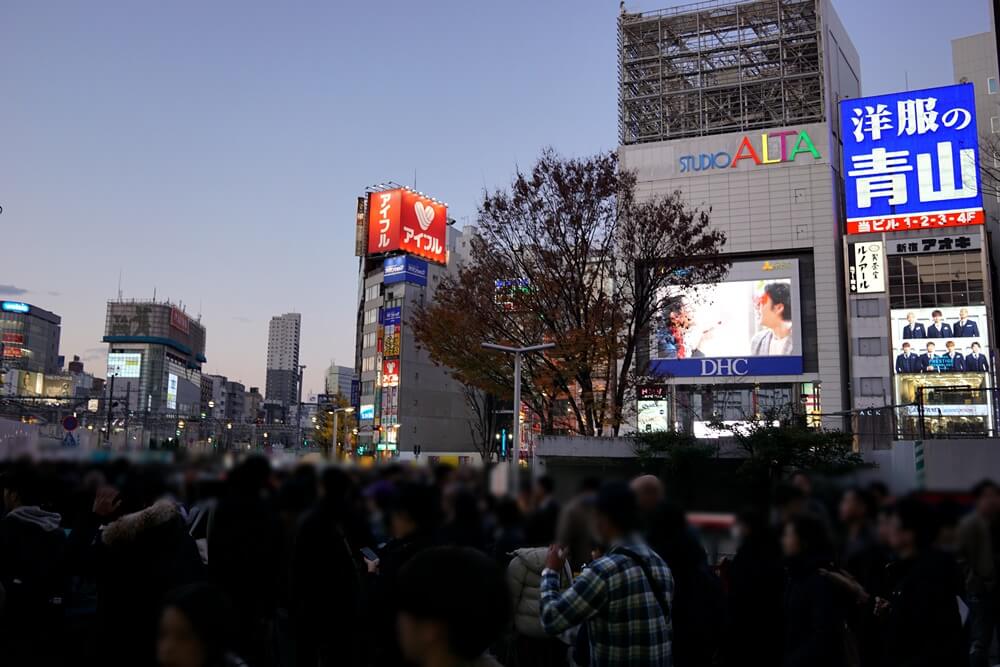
pixel 369 554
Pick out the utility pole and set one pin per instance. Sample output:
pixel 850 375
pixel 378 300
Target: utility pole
pixel 111 401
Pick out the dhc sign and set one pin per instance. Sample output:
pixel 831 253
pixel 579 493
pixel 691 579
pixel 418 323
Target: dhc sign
pixel 790 144
pixel 726 366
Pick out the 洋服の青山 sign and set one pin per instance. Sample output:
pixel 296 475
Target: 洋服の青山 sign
pixel 402 219
pixel 769 148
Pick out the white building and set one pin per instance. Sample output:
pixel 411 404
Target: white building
pixel 283 359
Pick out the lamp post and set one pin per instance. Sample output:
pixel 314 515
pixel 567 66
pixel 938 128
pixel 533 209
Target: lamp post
pixel 336 412
pixel 515 447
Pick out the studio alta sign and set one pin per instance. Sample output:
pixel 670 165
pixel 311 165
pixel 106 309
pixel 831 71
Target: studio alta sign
pixel 773 148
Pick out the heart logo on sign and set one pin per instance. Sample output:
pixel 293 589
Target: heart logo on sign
pixel 390 366
pixel 425 215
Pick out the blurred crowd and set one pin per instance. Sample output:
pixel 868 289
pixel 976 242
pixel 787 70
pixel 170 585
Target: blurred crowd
pixel 203 566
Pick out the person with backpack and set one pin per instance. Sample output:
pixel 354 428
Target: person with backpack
pixel 623 598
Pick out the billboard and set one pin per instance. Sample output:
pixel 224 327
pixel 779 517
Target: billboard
pixel 179 320
pixel 950 339
pixel 367 411
pixel 911 160
pixel 171 391
pixel 124 364
pixel 391 340
pixel 866 267
pixel 390 372
pixel 402 219
pixel 928 245
pixel 404 268
pixel 747 325
pixel 392 316
pixel 15 307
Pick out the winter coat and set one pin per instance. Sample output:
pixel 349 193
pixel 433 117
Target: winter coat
pixel 524 579
pixel 814 619
pixel 32 577
pixel 756 582
pixel 923 627
pixel 139 558
pixel 975 549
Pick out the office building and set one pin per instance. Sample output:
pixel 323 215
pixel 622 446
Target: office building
pixel 155 355
pixel 29 338
pixel 282 379
pixel 338 380
pixel 734 105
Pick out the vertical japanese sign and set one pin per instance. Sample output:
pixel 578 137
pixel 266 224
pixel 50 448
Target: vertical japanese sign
pixel 911 160
pixel 360 230
pixel 867 267
pixel 408 221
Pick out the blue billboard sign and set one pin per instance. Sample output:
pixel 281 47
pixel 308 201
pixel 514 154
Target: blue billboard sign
pixel 15 307
pixel 911 160
pixel 355 393
pixel 726 367
pixel 391 316
pixel 404 268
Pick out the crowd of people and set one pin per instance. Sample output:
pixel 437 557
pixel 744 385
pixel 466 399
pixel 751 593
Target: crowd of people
pixel 193 566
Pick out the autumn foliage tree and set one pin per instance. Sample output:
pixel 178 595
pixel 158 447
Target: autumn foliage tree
pixel 568 254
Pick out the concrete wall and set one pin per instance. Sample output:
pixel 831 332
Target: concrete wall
pixel 949 465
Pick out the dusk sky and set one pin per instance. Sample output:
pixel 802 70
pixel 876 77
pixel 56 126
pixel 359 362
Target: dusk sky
pixel 213 150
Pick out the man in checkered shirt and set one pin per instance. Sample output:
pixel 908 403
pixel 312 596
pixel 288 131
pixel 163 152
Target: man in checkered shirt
pixel 626 623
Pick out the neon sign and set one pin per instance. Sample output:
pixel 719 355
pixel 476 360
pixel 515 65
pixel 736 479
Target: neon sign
pixel 15 307
pixel 787 151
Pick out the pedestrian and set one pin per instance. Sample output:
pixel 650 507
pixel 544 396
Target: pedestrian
pixel 756 600
pixel 508 533
pixel 452 605
pixel 196 629
pixel 919 613
pixel 624 596
pixel 814 620
pixel 979 559
pixel 326 581
pixel 543 520
pixel 32 573
pixel 864 560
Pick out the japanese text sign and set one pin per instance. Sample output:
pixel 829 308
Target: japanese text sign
pixel 390 373
pixel 933 244
pixel 405 220
pixel 867 267
pixel 911 160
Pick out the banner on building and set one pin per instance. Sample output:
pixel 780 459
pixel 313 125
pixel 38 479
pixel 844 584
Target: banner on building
pixel 390 372
pixel 402 219
pixel 911 160
pixel 933 244
pixel 404 268
pixel 866 270
pixel 361 230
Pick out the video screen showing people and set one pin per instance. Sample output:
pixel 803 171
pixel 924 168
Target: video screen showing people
pixel 732 319
pixel 941 340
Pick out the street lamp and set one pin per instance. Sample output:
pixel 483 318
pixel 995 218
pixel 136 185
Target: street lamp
pixel 336 412
pixel 515 448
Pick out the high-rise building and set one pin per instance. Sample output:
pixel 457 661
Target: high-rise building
pixel 339 379
pixel 29 338
pixel 406 401
pixel 282 381
pixel 733 104
pixel 155 354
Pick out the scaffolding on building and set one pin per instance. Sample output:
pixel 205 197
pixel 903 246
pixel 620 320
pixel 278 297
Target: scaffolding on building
pixel 719 66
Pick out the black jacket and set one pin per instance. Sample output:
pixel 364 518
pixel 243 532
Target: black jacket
pixel 756 582
pixel 814 619
pixel 923 627
pixel 392 557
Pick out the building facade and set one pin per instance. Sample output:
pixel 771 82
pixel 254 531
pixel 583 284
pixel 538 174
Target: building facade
pixel 29 338
pixel 339 380
pixel 734 106
pixel 155 355
pixel 282 379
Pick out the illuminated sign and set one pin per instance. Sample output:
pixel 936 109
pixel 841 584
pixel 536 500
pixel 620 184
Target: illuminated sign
pixel 171 391
pixel 15 307
pixel 911 160
pixel 405 269
pixel 124 364
pixel 405 220
pixel 13 338
pixel 926 245
pixel 179 320
pixel 367 411
pixel 867 267
pixel 773 148
pixel 391 316
pixel 390 373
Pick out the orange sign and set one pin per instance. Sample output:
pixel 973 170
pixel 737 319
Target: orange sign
pixel 390 373
pixel 405 220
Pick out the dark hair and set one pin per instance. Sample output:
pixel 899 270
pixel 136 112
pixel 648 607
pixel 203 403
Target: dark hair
pixel 930 343
pixel 210 614
pixel 781 293
pixel 785 494
pixel 975 343
pixel 338 492
pixel 906 345
pixel 547 484
pixel 463 589
pixel 917 517
pixel 864 497
pixel 589 484
pixel 418 502
pixel 22 479
pixel 982 487
pixel 936 313
pixel 507 512
pixel 878 488
pixel 814 539
pixel 617 503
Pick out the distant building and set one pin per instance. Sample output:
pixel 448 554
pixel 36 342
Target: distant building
pixel 213 395
pixel 283 359
pixel 338 380
pixel 254 403
pixel 29 338
pixel 235 402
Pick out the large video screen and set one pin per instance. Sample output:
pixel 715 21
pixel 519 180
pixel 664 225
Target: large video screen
pixel 951 339
pixel 746 325
pixel 124 364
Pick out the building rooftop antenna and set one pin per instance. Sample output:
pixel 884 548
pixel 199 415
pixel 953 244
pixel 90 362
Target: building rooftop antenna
pixel 119 285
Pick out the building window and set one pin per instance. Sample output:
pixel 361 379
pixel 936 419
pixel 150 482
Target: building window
pixel 991 85
pixel 872 387
pixel 995 124
pixel 935 280
pixel 371 316
pixel 868 308
pixel 869 347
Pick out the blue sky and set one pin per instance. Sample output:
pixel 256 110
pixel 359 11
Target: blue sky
pixel 214 150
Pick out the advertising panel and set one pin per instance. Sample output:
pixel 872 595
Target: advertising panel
pixel 171 391
pixel 928 245
pixel 367 411
pixel 390 340
pixel 404 268
pixel 866 270
pixel 392 316
pixel 653 415
pixel 405 220
pixel 179 320
pixel 911 160
pixel 14 307
pixel 390 372
pixel 951 339
pixel 124 364
pixel 356 394
pixel 745 326
pixel 15 338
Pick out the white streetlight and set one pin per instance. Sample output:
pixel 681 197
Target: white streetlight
pixel 515 448
pixel 336 412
